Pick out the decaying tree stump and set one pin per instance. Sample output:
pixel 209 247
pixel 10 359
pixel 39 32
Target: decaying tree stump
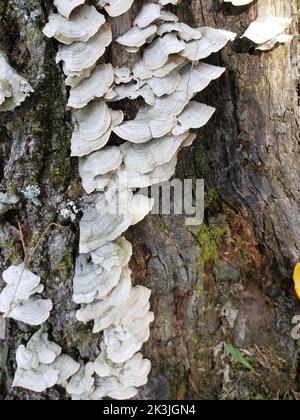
pixel 225 282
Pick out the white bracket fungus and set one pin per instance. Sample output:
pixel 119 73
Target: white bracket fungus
pixel 123 75
pixel 20 298
pixel 143 128
pixel 267 31
pixel 120 381
pixel 184 32
pixel 157 54
pixel 7 201
pixel 106 379
pixel 239 2
pixel 94 87
pixel 111 218
pixel 92 280
pixel 84 55
pixel 167 78
pixel 66 7
pixel 41 364
pixel 14 89
pixel 98 163
pixel 137 37
pixel 76 29
pixel 81 146
pixel 165 2
pixel 115 7
pixel 82 384
pixel 149 13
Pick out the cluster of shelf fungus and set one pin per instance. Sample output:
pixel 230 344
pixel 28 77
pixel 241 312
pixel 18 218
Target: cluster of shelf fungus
pixel 167 78
pixel 267 30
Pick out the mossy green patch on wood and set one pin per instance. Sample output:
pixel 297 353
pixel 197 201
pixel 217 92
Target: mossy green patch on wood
pixel 198 289
pixel 212 199
pixel 182 390
pixel 56 129
pixel 162 226
pixel 202 163
pixel 210 237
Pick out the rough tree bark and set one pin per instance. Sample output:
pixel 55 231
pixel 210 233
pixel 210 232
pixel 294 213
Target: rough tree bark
pixel 227 281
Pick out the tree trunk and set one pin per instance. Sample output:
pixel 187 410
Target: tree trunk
pixel 227 281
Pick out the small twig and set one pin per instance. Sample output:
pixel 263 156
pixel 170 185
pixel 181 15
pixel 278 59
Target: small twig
pixel 190 74
pixel 22 238
pixel 35 249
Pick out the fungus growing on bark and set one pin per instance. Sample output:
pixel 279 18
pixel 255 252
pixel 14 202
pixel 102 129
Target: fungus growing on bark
pixel 165 2
pixel 105 309
pixel 7 201
pixel 94 87
pixel 93 120
pixel 133 327
pixel 167 78
pixel 14 89
pixel 41 364
pixel 184 31
pixel 111 219
pixel 211 41
pixel 20 300
pixel 157 54
pixel 120 381
pixel 82 384
pixel 115 7
pixel 239 2
pixel 141 72
pixel 98 163
pixel 136 37
pixel 82 147
pixel 146 157
pixel 66 7
pixel 76 29
pixel 165 85
pixel 123 75
pixel 92 281
pixel 143 128
pixel 149 13
pixel 195 115
pixel 194 79
pixel 134 91
pixel 81 56
pixel 267 31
